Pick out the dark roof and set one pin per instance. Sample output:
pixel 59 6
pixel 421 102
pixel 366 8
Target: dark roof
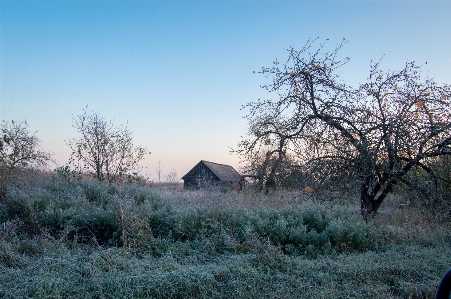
pixel 225 173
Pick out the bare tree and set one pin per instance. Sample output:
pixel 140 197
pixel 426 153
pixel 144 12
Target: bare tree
pixel 106 150
pixel 19 149
pixel 268 168
pixel 377 133
pixel 172 177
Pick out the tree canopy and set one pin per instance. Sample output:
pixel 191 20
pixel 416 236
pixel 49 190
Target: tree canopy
pixel 106 150
pixel 376 133
pixel 19 149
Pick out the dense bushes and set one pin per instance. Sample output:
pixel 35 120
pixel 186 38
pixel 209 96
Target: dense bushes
pixel 91 210
pixel 134 216
pixel 295 230
pixel 86 239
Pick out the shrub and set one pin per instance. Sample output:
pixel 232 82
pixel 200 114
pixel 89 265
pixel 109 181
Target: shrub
pixel 89 208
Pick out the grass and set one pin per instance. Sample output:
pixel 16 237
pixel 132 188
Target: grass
pixel 85 239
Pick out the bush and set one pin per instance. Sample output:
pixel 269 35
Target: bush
pixel 134 216
pixel 295 230
pixel 91 209
pixel 87 239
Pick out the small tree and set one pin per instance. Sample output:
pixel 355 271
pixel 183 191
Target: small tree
pixel 19 149
pixel 377 133
pixel 172 177
pixel 106 150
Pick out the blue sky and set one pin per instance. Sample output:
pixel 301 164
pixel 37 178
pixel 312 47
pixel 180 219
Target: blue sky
pixel 177 72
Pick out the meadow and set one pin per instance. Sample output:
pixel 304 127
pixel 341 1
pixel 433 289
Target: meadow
pixel 75 238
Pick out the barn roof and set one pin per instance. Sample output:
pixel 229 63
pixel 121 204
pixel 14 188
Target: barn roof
pixel 224 172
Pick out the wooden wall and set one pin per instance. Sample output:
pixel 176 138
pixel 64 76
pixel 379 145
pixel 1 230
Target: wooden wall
pixel 199 177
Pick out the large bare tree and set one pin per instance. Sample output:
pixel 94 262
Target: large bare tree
pixel 376 133
pixel 106 150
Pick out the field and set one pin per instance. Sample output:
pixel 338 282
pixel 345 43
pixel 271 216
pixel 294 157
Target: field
pixel 62 238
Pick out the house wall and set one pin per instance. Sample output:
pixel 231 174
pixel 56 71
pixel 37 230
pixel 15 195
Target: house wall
pixel 200 176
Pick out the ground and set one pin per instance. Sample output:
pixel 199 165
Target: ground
pixel 85 239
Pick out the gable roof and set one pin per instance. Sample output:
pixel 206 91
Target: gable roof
pixel 224 172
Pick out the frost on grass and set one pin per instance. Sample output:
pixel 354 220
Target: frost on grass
pixel 83 239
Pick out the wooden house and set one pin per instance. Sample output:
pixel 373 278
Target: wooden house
pixel 207 174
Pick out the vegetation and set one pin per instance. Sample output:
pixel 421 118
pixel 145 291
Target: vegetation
pixel 395 124
pixel 103 232
pixel 104 149
pixel 19 149
pixel 68 237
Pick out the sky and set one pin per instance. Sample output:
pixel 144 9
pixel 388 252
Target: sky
pixel 178 72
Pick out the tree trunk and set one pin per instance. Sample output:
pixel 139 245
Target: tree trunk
pixel 368 203
pixel 2 193
pixel 366 206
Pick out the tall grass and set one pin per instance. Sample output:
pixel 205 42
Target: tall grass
pixel 87 239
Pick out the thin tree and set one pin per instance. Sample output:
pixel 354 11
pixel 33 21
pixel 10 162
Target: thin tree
pixel 106 150
pixel 393 124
